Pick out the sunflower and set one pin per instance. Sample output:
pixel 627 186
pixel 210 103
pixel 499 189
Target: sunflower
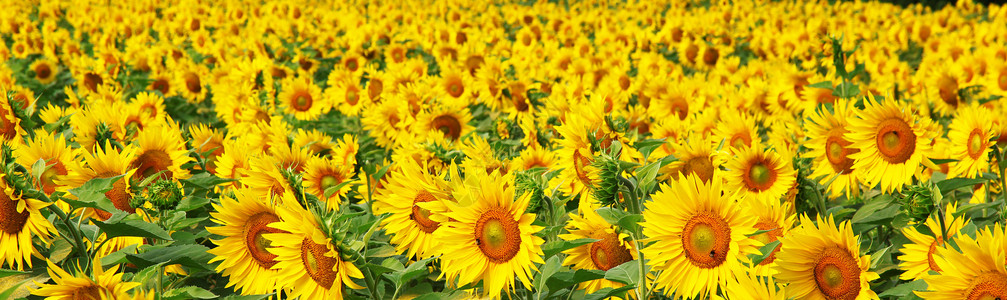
pixel 303 99
pixel 45 70
pixel 347 96
pixel 748 285
pixel 10 124
pixel 410 226
pixel 20 221
pixel 264 175
pixel 458 86
pixel 760 175
pixel 244 221
pixel 191 79
pixel 576 158
pixel 307 262
pixel 970 134
pixel 918 257
pixel 161 148
pixel 101 284
pixel 975 272
pixel 533 157
pixel 612 248
pixel 491 238
pixel 699 235
pixel 317 142
pixel 736 131
pixel 776 217
pixel 944 81
pixel 890 142
pixel 387 120
pixel 58 156
pixel 823 261
pixel 103 163
pixel 321 174
pixel 150 104
pixel 206 139
pixel 452 123
pixel 831 148
pixel 233 162
pixel 696 156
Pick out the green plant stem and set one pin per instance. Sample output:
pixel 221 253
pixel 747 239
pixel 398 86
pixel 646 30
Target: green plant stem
pixel 160 281
pixel 371 284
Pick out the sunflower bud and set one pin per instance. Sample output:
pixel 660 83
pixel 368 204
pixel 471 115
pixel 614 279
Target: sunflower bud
pixel 524 182
pixel 918 201
pixel 607 190
pixel 163 194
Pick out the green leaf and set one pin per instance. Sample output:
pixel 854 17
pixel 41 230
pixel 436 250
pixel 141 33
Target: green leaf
pixel 627 273
pixel 413 270
pixel 92 194
pixel 608 292
pixel 247 297
pixel 876 257
pixel 131 227
pixel 553 248
pixel 647 173
pixel 948 185
pixel 190 203
pixel 905 289
pixel 764 252
pixel 564 280
pixel 193 256
pixel 822 85
pixel 188 292
pixel 551 266
pixel 611 215
pixel 5 272
pixel 758 232
pixel 204 181
pixel 941 161
pixel 869 212
pixel 18 286
pixel 631 222
pixel 37 169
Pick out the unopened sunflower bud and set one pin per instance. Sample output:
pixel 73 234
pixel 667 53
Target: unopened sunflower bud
pixel 164 194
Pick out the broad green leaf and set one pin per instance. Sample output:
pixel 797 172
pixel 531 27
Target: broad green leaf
pixel 189 203
pixel 132 227
pixel 627 273
pixel 870 210
pixel 204 181
pixel 631 222
pixel 764 252
pixel 92 194
pixel 188 292
pixel 822 85
pixel 877 255
pixel 564 280
pixel 193 256
pixel 556 247
pixel 905 289
pixel 611 215
pixel 647 173
pixel 608 292
pixel 948 185
pixel 413 270
pixel 5 272
pixel 552 265
pixel 20 285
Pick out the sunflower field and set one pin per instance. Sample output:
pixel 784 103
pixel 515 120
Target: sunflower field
pixel 450 149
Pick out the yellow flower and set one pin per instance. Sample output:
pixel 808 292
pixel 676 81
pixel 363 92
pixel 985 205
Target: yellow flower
pixel 970 134
pixel 307 261
pixel 831 148
pixel 491 238
pixel 101 284
pixel 975 272
pixel 822 261
pixel 243 252
pixel 760 175
pixel 160 148
pixel 612 248
pixel 698 234
pixel 891 144
pixel 918 257
pixel 303 99
pixel 411 226
pixel 20 221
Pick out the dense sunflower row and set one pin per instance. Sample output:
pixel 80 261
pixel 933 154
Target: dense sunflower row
pixel 445 149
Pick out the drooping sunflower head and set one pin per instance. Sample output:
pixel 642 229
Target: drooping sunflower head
pixel 698 234
pixel 243 252
pixel 891 144
pixel 101 284
pixel 611 250
pixel 308 262
pixel 831 148
pixel 413 197
pixel 491 239
pixel 975 272
pixel 760 174
pixel 822 260
pixel 918 257
pixel 20 221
